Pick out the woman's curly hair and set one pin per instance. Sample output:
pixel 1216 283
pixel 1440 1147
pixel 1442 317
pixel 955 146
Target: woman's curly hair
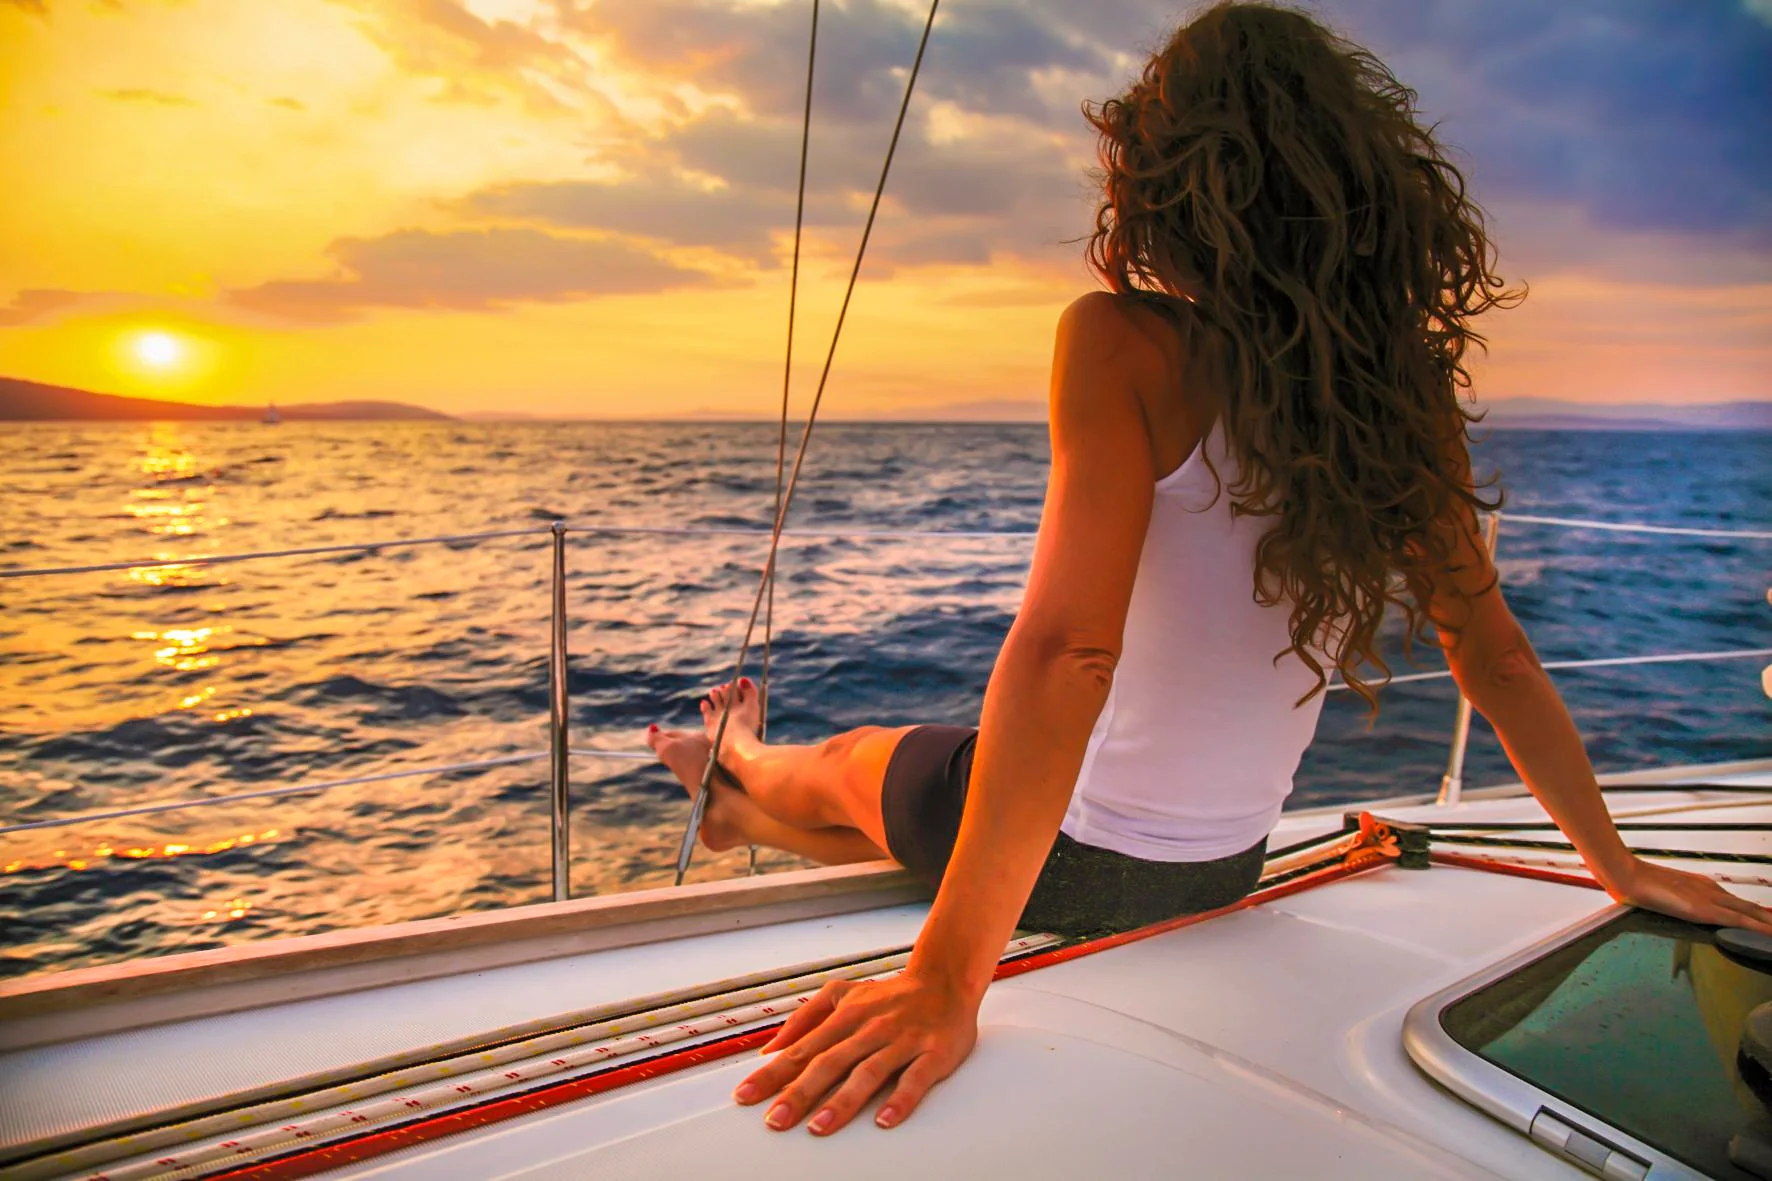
pixel 1275 177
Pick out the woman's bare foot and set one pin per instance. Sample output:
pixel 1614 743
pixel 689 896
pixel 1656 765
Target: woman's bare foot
pixel 724 821
pixel 740 738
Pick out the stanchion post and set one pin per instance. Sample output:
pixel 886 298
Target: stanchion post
pixel 558 722
pixel 1452 783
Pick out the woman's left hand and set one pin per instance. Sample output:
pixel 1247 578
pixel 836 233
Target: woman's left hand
pixel 851 1039
pixel 1689 896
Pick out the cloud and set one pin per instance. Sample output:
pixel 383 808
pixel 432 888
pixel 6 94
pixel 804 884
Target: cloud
pixel 158 98
pixel 1651 118
pixel 474 59
pixel 466 270
pixel 726 180
pixel 287 103
pixel 661 205
pixel 999 189
pixel 985 54
pixel 1633 120
pixel 1608 139
pixel 28 307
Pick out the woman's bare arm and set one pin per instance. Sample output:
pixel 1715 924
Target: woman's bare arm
pixel 1053 674
pixel 1049 684
pixel 1494 664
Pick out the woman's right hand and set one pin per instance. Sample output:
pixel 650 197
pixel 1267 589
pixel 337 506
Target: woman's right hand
pixel 1689 896
pixel 852 1039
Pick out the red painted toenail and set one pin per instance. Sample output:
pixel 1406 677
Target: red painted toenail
pixel 652 729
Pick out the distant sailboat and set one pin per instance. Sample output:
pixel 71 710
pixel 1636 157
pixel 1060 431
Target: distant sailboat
pixel 272 418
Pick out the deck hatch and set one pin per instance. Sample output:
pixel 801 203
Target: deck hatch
pixel 1616 1046
pixel 1585 1149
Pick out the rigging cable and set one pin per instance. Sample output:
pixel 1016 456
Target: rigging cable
pixel 686 850
pixel 787 373
pixel 1566 846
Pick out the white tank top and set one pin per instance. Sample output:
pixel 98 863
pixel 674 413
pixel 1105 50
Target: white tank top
pixel 1195 750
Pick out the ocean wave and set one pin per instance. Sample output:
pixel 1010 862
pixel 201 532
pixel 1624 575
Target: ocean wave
pixel 196 681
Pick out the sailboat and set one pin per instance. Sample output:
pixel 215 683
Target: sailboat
pixel 1422 991
pixel 272 418
pixel 1430 987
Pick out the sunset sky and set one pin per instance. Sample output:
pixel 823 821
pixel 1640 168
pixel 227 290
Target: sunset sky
pixel 562 207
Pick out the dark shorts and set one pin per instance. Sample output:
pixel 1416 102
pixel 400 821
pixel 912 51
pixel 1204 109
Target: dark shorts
pixel 1082 889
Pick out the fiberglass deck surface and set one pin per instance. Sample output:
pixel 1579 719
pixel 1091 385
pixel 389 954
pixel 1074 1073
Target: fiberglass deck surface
pixel 68 1085
pixel 1263 1043
pixel 1266 1043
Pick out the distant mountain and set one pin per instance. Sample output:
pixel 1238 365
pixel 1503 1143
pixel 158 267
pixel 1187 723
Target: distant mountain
pixel 1556 414
pixel 31 401
pixel 1503 414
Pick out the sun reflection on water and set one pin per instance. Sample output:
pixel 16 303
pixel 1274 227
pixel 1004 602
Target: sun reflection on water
pixel 236 908
pixel 193 649
pixel 175 574
pixel 90 859
pixel 165 457
pixel 167 517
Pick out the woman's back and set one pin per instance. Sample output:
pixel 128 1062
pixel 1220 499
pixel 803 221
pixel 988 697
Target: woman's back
pixel 1193 754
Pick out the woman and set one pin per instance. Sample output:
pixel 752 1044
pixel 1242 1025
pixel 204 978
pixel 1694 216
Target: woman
pixel 1257 446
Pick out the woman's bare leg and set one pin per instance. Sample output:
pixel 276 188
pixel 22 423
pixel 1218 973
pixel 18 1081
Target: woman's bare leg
pixel 732 818
pixel 836 782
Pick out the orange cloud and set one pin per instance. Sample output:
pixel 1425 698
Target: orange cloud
pixel 475 60
pixel 466 270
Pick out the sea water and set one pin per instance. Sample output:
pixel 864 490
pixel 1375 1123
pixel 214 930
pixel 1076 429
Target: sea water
pixel 142 685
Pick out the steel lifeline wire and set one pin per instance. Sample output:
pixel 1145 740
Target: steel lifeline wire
pixel 1367 844
pixel 787 374
pixel 686 850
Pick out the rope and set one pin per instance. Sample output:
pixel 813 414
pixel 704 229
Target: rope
pixel 1627 826
pixel 1683 854
pixel 690 831
pixel 787 374
pixel 1488 862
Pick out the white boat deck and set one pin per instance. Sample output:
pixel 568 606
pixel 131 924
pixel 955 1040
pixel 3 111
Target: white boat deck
pixel 1264 1043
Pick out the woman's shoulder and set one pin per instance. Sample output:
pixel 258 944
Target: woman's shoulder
pixel 1136 330
pixel 1137 312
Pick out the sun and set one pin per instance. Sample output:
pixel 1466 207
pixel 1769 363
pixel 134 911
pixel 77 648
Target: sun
pixel 159 350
